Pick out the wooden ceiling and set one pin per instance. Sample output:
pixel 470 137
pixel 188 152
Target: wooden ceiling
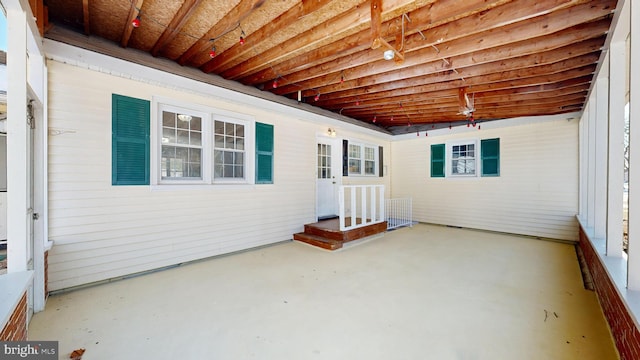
pixel 455 60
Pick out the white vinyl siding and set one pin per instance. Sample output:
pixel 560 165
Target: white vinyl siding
pixel 102 231
pixel 536 193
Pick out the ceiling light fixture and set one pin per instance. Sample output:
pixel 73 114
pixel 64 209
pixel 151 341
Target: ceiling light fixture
pixel 389 54
pixel 136 22
pixel 212 53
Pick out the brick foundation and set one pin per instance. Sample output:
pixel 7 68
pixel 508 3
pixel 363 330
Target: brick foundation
pixel 626 334
pixel 16 327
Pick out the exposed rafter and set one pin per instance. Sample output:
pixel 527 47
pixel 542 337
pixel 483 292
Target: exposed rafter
pixel 175 25
pixel 134 11
pixel 532 57
pixel 85 17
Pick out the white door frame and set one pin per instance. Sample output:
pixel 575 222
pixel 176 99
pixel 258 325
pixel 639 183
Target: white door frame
pixel 336 170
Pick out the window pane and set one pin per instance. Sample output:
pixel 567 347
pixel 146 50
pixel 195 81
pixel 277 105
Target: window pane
pixel 229 143
pixel 228 171
pixel 183 121
pixel 240 143
pixel 168 136
pixel 196 138
pixel 219 141
pixel 369 153
pixel 354 166
pixel 228 157
pixel 196 124
pixel 168 119
pixel 370 167
pixel 183 137
pixel 229 129
pixel 219 127
pixel 239 159
pixel 239 130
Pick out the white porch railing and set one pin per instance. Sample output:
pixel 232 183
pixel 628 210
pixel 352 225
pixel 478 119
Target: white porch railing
pixel 361 205
pixel 398 213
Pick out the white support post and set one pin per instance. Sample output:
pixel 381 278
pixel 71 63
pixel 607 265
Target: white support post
pixel 583 166
pixel 363 200
pixel 341 207
pixel 633 263
pixel 354 206
pixel 374 204
pixel 602 149
pixel 617 81
pixel 591 162
pixel 17 144
pixel 382 214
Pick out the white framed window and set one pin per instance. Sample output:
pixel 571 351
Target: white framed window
pixel 462 158
pixel 363 159
pixel 230 157
pixel 192 144
pixel 355 159
pixel 181 153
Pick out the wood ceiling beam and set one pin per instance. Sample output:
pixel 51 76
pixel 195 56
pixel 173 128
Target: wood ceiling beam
pixel 134 11
pixel 451 104
pixel 256 38
pixel 477 84
pixel 480 97
pixel 228 22
pixel 436 14
pixel 176 24
pixel 514 33
pixel 480 116
pixel 85 17
pixel 586 52
pixel 560 83
pixel 337 28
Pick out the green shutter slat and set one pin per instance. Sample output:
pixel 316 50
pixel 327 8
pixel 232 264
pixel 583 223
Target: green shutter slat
pixel 345 157
pixel 130 119
pixel 380 162
pixel 437 160
pixel 490 156
pixel 264 153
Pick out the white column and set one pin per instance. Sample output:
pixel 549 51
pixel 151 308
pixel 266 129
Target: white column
pixel 617 80
pixel 582 138
pixel 602 149
pixel 17 192
pixel 633 264
pixel 591 161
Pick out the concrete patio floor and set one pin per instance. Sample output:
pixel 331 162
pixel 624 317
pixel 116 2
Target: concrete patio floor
pixel 427 292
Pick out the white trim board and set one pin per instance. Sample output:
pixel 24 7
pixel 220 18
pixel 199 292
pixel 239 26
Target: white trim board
pixel 72 55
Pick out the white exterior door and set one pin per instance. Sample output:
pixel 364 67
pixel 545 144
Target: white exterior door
pixel 327 178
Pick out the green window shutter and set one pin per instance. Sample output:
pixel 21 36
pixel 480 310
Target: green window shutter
pixel 437 160
pixel 490 155
pixel 380 162
pixel 130 119
pixel 345 157
pixel 264 153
